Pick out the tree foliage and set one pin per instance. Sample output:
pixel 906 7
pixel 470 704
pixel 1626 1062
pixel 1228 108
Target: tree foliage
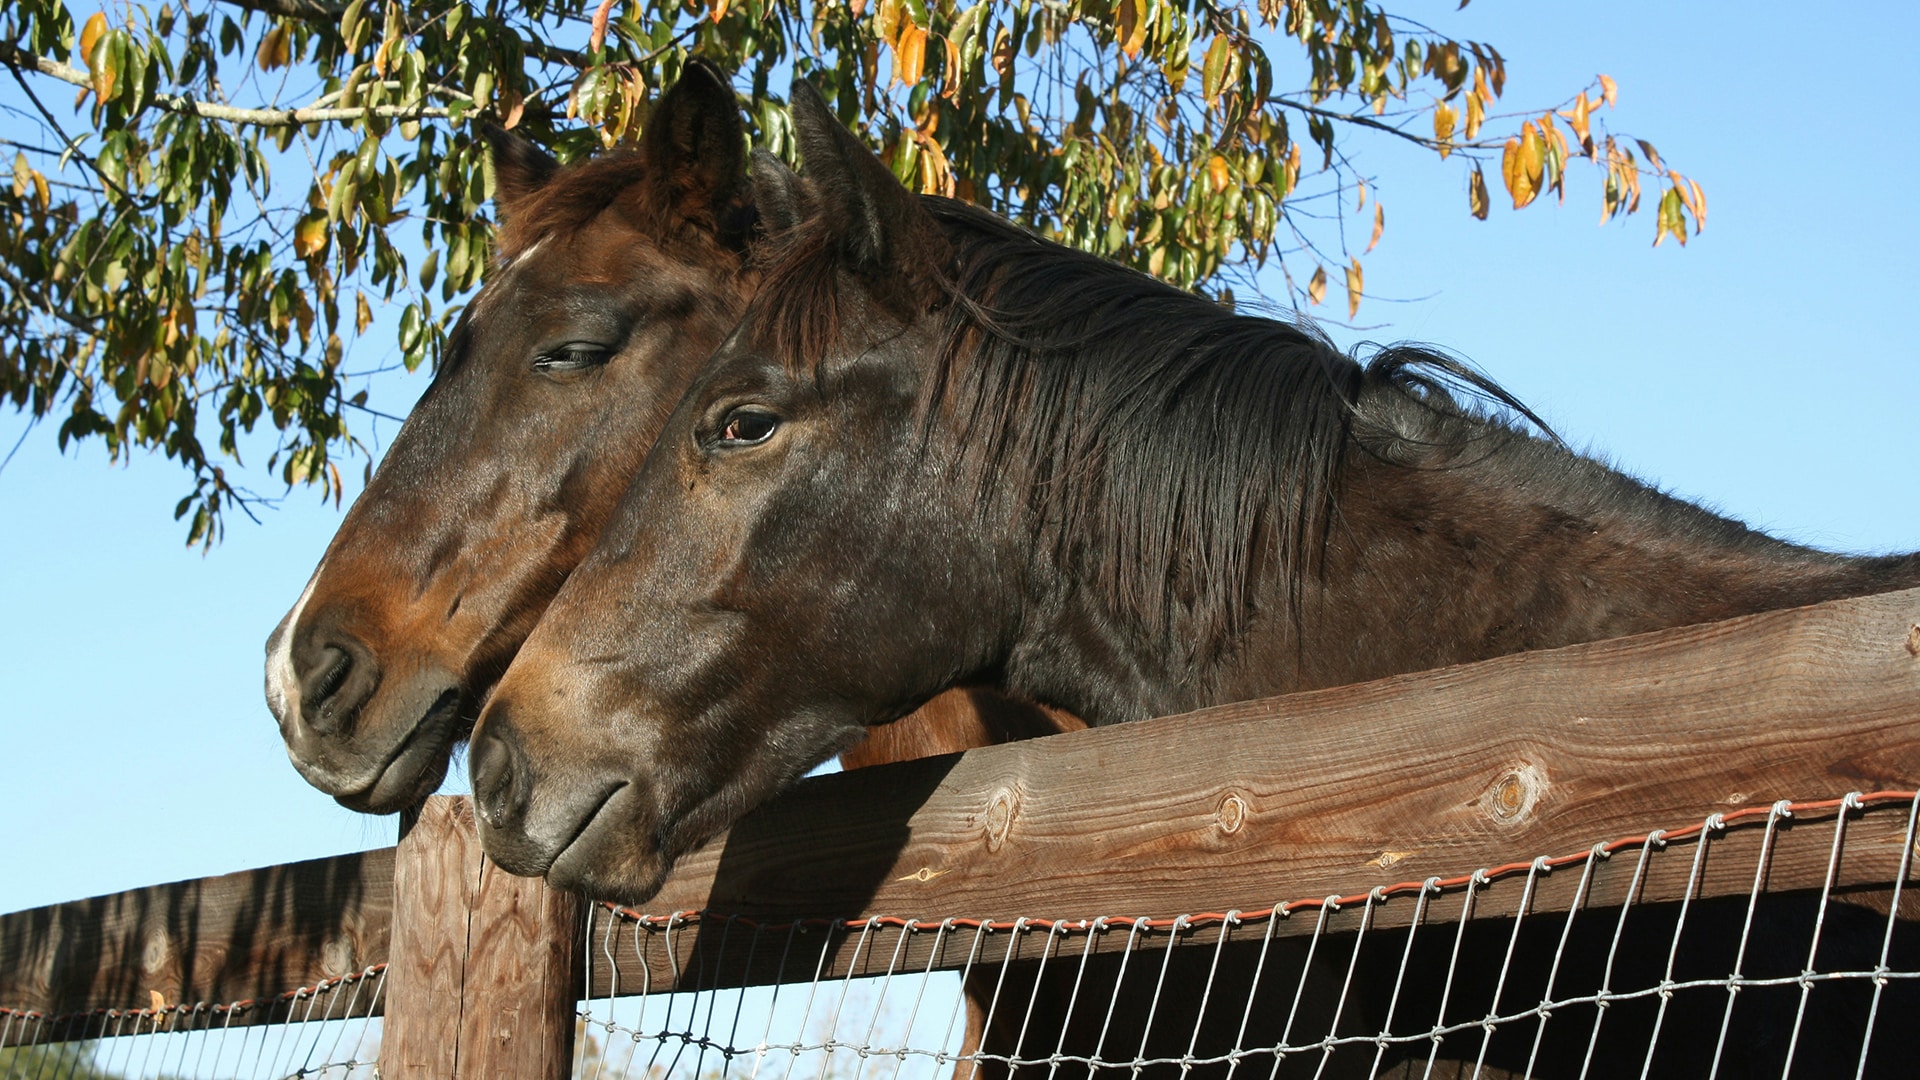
pixel 213 197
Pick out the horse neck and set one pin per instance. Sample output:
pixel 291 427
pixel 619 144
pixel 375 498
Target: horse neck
pixel 1503 544
pixel 1513 543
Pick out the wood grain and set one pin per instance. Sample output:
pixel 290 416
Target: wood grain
pixel 247 936
pixel 485 968
pixel 1436 774
pixel 436 869
pixel 523 979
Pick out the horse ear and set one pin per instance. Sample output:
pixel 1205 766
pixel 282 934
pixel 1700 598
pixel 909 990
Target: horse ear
pixel 695 148
pixel 879 221
pixel 520 169
pixel 778 195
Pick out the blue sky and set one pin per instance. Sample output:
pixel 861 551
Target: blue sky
pixel 1770 369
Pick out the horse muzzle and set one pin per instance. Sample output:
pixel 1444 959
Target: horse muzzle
pixel 584 826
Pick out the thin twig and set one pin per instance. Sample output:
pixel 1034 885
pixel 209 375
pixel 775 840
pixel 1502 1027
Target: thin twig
pixel 294 117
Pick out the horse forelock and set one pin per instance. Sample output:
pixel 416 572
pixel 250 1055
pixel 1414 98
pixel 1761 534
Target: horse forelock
pixel 795 315
pixel 578 194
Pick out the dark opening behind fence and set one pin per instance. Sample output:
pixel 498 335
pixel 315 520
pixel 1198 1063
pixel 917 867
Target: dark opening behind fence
pixel 1452 872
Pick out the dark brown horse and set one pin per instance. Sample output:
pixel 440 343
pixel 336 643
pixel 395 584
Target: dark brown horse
pixel 615 280
pixel 939 451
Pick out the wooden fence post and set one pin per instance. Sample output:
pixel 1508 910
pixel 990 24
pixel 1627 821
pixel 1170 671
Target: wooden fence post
pixel 484 967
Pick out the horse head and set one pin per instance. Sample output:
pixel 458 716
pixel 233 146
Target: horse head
pixel 614 280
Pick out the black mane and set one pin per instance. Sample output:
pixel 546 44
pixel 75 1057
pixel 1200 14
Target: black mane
pixel 1179 444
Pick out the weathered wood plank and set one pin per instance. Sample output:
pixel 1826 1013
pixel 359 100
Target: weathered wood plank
pixel 1333 792
pixel 485 969
pixel 435 871
pixel 247 936
pixel 523 979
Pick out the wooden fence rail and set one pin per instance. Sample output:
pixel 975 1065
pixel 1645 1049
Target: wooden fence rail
pixel 1310 795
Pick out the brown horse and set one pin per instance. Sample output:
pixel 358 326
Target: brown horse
pixel 614 281
pixel 939 451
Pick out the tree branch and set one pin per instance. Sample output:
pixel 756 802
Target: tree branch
pixel 46 304
pixel 1356 119
pixel 231 114
pixel 321 10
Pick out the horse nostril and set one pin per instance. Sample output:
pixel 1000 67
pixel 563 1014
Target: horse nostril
pixel 501 783
pixel 339 662
pixel 335 680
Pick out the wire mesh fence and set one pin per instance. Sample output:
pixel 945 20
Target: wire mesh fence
pixel 1664 954
pixel 328 1030
pixel 1614 961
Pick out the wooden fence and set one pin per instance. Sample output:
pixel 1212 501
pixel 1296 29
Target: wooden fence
pixel 1318 794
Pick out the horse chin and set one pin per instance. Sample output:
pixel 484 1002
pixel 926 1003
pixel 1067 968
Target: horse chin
pixel 409 771
pixel 609 858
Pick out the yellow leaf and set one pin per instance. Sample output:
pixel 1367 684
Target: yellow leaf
pixel 362 313
pixel 1444 119
pixel 90 34
pixel 310 235
pixel 936 174
pixel 889 20
pixel 910 54
pixel 1520 165
pixel 1130 30
pixel 1379 224
pixel 597 35
pixel 1532 155
pixel 1512 174
pixel 159 1004
pixel 1361 202
pixel 1699 203
pixel 1356 285
pixel 951 74
pixel 1317 287
pixel 1476 112
pixel 1579 119
pixel 1477 194
pixel 719 10
pixel 1003 50
pixel 1680 188
pixel 276 49
pixel 1609 93
pixel 1218 174
pixel 45 197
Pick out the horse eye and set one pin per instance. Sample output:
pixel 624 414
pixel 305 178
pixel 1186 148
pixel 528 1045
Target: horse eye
pixel 747 427
pixel 572 357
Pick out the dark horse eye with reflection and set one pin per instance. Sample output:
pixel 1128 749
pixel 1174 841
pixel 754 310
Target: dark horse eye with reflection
pixel 749 427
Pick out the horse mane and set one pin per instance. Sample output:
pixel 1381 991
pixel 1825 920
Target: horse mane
pixel 1185 448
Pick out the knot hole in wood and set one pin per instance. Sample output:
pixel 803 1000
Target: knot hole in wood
pixel 158 951
pixel 1232 812
pixel 1000 818
pixel 1510 799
